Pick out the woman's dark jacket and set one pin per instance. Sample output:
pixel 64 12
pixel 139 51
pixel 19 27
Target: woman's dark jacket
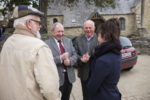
pixel 105 72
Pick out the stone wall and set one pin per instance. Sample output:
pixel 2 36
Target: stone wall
pixel 69 31
pixel 141 44
pixel 147 15
pixel 72 32
pixel 137 11
pixel 50 21
pixel 130 26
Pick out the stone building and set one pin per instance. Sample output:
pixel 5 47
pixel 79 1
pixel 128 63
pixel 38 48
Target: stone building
pixel 127 11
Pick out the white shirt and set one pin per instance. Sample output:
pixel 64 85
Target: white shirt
pixel 59 47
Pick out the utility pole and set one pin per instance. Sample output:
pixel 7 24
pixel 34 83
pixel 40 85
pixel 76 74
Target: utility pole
pixel 142 13
pixel 143 31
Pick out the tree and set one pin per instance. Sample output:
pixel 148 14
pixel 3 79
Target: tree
pixel 8 6
pixel 98 3
pixel 43 7
pixel 103 3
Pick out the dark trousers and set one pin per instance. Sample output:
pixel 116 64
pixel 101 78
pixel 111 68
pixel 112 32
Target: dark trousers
pixel 84 90
pixel 66 88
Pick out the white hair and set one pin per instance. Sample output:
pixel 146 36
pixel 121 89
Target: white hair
pixel 22 20
pixel 90 21
pixel 55 24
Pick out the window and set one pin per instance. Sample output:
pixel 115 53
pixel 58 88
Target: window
pixel 122 23
pixel 55 20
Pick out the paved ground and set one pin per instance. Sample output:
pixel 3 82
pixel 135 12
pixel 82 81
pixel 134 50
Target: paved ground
pixel 133 84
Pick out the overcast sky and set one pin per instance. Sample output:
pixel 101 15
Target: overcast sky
pixel 1 3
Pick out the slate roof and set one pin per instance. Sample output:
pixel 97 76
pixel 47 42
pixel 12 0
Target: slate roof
pixel 121 7
pixel 76 15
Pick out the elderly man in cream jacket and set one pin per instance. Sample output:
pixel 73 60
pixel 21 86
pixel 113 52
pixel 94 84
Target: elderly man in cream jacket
pixel 27 68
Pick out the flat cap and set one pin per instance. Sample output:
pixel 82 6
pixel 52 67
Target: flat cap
pixel 24 10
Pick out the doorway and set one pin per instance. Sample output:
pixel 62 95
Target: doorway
pixel 98 19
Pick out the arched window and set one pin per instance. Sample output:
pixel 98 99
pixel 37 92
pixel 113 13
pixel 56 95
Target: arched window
pixel 55 20
pixel 122 23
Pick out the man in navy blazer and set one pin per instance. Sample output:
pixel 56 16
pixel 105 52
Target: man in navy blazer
pixel 64 56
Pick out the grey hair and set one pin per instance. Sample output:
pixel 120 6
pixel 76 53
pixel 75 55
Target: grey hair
pixel 93 24
pixel 22 20
pixel 55 24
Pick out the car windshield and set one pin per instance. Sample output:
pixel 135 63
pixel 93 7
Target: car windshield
pixel 125 42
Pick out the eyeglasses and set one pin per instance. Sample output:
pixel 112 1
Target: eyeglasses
pixel 39 22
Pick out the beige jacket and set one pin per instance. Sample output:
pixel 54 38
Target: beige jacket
pixel 27 69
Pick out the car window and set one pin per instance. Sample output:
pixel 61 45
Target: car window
pixel 125 42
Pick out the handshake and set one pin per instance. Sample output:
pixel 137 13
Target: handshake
pixel 65 58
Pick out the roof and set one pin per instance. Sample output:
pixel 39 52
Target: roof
pixel 76 15
pixel 121 7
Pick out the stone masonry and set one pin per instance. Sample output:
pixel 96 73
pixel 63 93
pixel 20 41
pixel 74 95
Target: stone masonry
pixel 142 44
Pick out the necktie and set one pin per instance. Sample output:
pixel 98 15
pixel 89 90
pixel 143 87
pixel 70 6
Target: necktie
pixel 61 47
pixel 62 50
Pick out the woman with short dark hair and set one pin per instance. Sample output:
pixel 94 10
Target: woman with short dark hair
pixel 106 63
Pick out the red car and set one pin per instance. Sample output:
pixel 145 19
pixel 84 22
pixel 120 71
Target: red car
pixel 129 56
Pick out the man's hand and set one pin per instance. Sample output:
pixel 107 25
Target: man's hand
pixel 66 62
pixel 64 56
pixel 85 58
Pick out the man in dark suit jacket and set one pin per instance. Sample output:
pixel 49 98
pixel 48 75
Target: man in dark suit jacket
pixel 64 56
pixel 85 45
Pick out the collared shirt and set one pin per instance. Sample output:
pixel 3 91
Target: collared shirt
pixel 58 46
pixel 89 38
pixel 58 43
pixel 88 41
